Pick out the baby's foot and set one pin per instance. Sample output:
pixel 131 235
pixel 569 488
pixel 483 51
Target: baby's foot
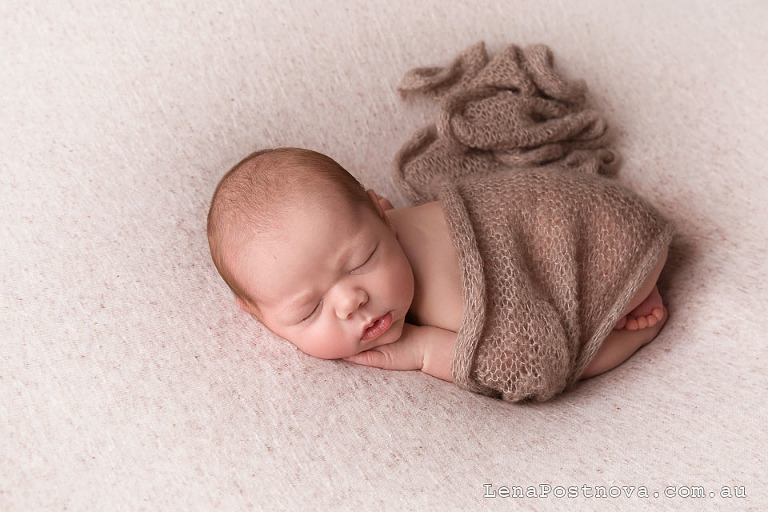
pixel 647 314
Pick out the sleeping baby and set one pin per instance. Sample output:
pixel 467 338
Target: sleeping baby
pixel 522 267
pixel 338 272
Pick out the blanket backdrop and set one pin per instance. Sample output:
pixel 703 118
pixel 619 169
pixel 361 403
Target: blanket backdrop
pixel 129 380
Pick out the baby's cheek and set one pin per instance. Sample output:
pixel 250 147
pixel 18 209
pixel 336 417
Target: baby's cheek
pixel 404 279
pixel 329 340
pixel 387 281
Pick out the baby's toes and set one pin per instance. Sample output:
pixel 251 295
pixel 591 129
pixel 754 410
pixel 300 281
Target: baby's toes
pixel 642 322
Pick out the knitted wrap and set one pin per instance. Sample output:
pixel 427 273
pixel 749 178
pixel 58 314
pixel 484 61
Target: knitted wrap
pixel 551 249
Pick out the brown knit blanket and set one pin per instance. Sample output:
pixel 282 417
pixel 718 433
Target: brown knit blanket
pixel 551 249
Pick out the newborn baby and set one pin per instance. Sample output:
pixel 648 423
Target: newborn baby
pixel 335 270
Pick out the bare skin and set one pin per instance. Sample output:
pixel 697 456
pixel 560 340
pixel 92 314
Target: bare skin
pixel 620 345
pixel 429 346
pixel 647 314
pixel 435 314
pixel 362 281
pixel 649 310
pixel 384 288
pixel 642 321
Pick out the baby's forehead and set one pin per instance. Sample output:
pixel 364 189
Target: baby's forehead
pixel 321 197
pixel 272 260
pixel 307 210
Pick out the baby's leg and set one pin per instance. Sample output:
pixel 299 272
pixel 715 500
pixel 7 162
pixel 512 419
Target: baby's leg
pixel 646 307
pixel 620 345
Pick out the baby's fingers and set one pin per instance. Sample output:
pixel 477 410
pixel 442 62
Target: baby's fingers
pixel 395 356
pixel 369 358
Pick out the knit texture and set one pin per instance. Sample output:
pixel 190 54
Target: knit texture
pixel 551 248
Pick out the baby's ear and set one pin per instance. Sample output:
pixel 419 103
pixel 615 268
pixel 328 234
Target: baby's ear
pixel 382 203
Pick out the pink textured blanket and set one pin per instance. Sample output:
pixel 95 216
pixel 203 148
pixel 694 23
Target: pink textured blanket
pixel 551 249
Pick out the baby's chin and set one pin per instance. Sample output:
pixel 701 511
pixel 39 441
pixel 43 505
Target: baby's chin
pixel 327 353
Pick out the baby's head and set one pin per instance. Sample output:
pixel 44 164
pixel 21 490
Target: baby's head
pixel 310 253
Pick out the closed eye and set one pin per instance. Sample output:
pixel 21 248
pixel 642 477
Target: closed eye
pixel 312 313
pixel 367 260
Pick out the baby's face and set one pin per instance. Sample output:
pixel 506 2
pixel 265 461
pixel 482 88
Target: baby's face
pixel 334 281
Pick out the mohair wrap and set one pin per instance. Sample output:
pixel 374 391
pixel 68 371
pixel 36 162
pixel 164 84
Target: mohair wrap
pixel 551 249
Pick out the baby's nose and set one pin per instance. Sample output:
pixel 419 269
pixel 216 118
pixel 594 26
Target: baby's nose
pixel 351 302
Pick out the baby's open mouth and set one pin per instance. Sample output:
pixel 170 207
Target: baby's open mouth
pixel 377 327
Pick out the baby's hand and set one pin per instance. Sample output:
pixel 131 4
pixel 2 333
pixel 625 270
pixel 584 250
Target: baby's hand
pixel 424 348
pixel 407 353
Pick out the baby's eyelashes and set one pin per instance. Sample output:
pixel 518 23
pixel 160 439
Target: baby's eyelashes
pixel 367 260
pixel 312 313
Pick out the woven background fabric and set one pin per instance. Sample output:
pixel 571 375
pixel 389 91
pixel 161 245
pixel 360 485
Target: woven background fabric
pixel 129 380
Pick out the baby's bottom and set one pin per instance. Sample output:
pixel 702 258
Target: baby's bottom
pixel 642 321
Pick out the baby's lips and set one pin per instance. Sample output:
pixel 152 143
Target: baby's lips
pixel 377 328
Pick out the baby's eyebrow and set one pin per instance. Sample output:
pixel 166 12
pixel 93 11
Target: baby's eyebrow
pixel 299 301
pixel 294 306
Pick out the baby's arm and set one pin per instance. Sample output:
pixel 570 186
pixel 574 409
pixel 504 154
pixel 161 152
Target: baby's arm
pixel 424 348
